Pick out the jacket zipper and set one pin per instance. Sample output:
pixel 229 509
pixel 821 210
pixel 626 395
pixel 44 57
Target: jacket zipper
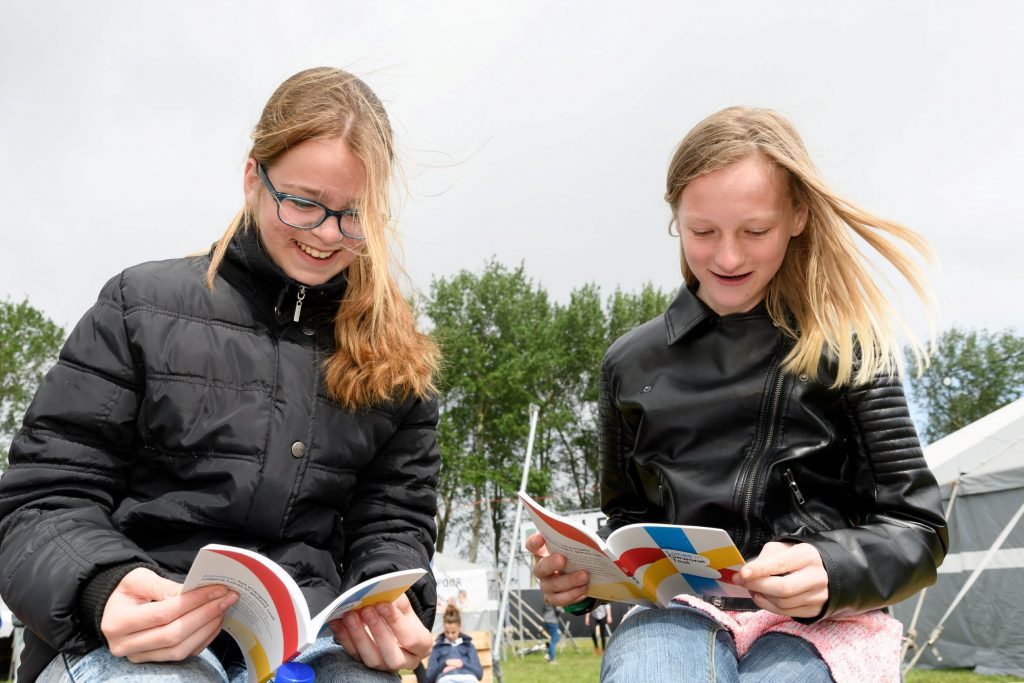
pixel 800 500
pixel 298 303
pixel 748 475
pixel 788 474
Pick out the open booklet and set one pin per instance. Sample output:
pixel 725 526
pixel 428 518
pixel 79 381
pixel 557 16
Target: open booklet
pixel 644 564
pixel 271 621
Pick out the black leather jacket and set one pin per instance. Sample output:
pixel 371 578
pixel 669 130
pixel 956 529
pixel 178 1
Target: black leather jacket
pixel 176 417
pixel 701 426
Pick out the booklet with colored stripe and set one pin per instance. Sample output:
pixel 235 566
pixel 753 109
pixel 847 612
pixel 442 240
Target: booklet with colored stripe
pixel 271 621
pixel 644 564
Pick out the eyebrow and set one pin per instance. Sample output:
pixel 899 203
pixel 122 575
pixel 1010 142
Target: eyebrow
pixel 759 218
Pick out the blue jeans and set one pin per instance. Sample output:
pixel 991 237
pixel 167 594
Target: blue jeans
pixel 328 659
pixel 553 637
pixel 683 644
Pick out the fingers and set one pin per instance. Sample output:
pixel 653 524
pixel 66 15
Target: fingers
pixel 535 544
pixel 392 654
pixel 191 645
pixel 386 636
pixel 176 639
pixel 358 642
pixel 558 588
pixel 342 637
pixel 411 634
pixel 806 580
pixel 806 605
pixel 125 614
pixel 561 589
pixel 148 585
pixel 775 558
pixel 787 579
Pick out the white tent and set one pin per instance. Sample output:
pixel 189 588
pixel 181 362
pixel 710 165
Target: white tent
pixel 473 588
pixel 982 467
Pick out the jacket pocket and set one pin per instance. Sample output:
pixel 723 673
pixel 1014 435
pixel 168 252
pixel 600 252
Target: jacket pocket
pixel 798 503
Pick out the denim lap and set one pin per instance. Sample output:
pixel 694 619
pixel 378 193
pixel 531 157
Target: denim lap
pixel 99 666
pixel 328 659
pixel 683 644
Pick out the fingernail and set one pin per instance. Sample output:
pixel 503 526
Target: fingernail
pixel 228 601
pixel 218 592
pixel 370 616
pixel 334 626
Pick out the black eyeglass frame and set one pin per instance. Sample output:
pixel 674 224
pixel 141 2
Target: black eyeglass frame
pixel 281 196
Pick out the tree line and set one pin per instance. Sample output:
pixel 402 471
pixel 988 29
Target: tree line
pixel 506 344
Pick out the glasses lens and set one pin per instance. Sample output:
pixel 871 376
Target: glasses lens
pixel 352 226
pixel 300 213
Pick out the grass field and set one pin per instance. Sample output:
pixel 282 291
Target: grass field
pixel 584 667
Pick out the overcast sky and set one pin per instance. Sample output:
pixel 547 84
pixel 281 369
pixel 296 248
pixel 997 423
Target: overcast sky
pixel 531 131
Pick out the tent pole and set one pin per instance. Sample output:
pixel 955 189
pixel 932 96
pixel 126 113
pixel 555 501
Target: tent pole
pixel 937 631
pixel 503 607
pixel 910 640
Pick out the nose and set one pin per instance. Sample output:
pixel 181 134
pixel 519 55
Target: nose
pixel 328 232
pixel 729 256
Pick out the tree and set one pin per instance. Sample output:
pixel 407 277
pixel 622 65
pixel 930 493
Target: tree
pixel 583 330
pixel 506 345
pixel 29 344
pixel 494 331
pixel 972 373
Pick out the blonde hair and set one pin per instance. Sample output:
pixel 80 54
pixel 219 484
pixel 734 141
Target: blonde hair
pixel 823 295
pixel 379 352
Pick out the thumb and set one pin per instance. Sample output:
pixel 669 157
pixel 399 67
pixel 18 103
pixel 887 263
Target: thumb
pixel 147 584
pixel 535 545
pixel 773 560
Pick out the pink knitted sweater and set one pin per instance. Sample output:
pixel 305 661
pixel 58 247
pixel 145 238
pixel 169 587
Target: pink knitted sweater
pixel 858 648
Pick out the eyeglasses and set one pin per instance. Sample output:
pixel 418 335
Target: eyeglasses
pixel 305 214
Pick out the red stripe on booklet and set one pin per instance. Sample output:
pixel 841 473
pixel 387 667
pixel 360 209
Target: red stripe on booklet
pixel 567 530
pixel 278 593
pixel 635 558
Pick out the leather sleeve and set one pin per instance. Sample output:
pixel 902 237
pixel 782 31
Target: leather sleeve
pixel 902 538
pixel 389 524
pixel 68 467
pixel 622 495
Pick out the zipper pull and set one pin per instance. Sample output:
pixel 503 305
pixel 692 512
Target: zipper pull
pixel 298 303
pixel 788 474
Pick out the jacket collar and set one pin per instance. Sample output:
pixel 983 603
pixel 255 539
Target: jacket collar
pixel 463 638
pixel 246 251
pixel 687 312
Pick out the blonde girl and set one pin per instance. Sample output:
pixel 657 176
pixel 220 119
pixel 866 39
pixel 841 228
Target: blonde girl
pixel 767 401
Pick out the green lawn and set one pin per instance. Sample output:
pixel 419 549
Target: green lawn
pixel 584 667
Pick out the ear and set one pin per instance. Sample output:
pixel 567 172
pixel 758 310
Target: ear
pixel 799 219
pixel 251 182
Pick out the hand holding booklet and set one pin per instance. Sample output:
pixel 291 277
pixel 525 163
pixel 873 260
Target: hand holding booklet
pixel 644 564
pixel 271 621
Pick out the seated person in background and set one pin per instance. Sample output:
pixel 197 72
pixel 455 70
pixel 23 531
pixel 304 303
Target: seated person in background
pixel 454 659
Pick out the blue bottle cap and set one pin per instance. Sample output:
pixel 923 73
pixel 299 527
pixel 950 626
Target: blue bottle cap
pixel 294 672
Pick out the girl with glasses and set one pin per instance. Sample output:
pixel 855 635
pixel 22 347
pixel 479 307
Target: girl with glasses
pixel 273 393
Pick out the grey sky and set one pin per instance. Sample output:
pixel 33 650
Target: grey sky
pixel 533 131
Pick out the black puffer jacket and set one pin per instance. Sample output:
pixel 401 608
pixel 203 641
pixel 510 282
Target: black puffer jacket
pixel 176 417
pixel 701 426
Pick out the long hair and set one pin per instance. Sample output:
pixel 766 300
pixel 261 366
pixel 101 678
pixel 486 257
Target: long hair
pixel 379 352
pixel 823 295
